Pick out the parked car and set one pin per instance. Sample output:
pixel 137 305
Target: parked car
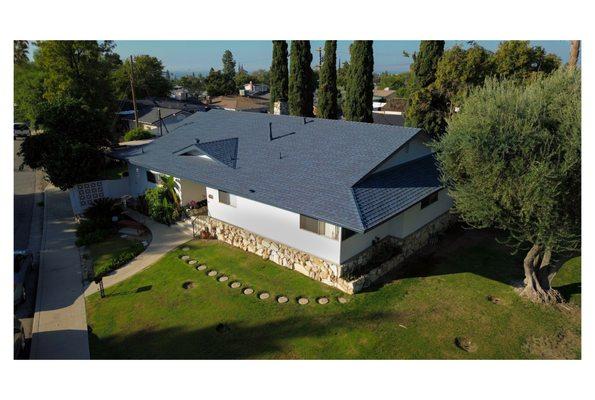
pixel 23 261
pixel 21 129
pixel 19 338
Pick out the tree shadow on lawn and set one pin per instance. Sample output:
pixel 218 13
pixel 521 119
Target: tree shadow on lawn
pixel 232 340
pixel 461 250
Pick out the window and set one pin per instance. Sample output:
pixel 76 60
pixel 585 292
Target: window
pixel 319 227
pixel 429 200
pixel 226 198
pixel 151 177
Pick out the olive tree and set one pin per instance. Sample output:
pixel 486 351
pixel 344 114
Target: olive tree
pixel 511 159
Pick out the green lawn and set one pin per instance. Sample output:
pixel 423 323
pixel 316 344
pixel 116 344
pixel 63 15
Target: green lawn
pixel 101 253
pixel 418 316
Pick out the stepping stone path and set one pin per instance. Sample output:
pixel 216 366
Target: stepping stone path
pixel 342 300
pixel 212 273
pixel 464 343
pixel 223 278
pixel 185 258
pixel 303 301
pixel 185 248
pixel 322 300
pixel 235 285
pixel 201 267
pixel 282 299
pixel 264 296
pixel 248 291
pixel 192 262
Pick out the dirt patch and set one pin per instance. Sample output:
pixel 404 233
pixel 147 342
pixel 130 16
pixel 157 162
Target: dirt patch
pixel 494 300
pixel 561 346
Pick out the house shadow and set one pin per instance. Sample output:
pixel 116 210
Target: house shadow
pixel 230 339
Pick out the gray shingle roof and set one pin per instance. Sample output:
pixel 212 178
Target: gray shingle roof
pixel 309 167
pixel 391 191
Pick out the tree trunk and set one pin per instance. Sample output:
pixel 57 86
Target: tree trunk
pixel 539 273
pixel 575 46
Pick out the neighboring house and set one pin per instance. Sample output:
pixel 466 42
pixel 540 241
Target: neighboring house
pixel 380 98
pixel 327 198
pixel 179 93
pixel 157 115
pixel 255 88
pixel 388 119
pixel 240 103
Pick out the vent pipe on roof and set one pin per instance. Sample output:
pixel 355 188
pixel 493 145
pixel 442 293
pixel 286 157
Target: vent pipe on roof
pixel 197 140
pixel 304 120
pixel 271 131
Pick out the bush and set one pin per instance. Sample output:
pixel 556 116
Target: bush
pixel 137 134
pixel 95 236
pixel 159 206
pixel 121 258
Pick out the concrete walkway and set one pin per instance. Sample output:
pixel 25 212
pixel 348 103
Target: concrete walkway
pixel 60 321
pixel 165 238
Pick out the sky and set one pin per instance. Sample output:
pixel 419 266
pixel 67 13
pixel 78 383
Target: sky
pixel 186 56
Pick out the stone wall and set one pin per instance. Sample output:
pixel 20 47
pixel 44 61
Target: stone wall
pixel 319 269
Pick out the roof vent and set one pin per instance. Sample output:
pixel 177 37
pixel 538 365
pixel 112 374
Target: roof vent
pixel 271 131
pixel 197 140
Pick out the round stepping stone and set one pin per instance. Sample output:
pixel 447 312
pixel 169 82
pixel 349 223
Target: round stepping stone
pixel 342 300
pixel 223 278
pixel 248 291
pixel 192 262
pixel 282 299
pixel 212 273
pixel 322 300
pixel 185 258
pixel 235 285
pixel 186 248
pixel 201 267
pixel 264 296
pixel 303 301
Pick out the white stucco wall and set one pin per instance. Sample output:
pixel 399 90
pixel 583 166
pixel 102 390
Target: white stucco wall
pixel 400 226
pixel 192 191
pixel 273 223
pixel 137 178
pixel 415 149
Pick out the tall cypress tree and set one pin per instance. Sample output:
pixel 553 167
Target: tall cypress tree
pixel 301 88
pixel 426 61
pixel 229 72
pixel 426 106
pixel 360 82
pixel 279 79
pixel 327 90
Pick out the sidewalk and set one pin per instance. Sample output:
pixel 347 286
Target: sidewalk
pixel 60 321
pixel 165 238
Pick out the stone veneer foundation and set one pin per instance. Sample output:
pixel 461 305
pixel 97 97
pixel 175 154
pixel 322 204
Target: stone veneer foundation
pixel 317 268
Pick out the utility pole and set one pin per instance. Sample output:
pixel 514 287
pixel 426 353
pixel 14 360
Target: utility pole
pixel 132 88
pixel 319 57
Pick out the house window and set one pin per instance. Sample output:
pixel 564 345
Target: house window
pixel 429 200
pixel 226 198
pixel 151 177
pixel 319 227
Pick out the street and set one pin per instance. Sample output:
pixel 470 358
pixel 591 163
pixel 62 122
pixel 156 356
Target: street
pixel 26 210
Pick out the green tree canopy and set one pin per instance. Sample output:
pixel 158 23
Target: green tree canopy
pixel 69 149
pixel 229 73
pixel 79 69
pixel 193 83
pixel 397 82
pixel 21 52
pixel 425 62
pixel 357 105
pixel 215 83
pixel 149 78
pixel 327 90
pixel 511 159
pixel 301 84
pixel 517 59
pixel 279 78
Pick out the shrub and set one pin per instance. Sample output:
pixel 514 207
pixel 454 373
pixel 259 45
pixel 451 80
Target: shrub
pixel 95 236
pixel 137 134
pixel 159 206
pixel 121 258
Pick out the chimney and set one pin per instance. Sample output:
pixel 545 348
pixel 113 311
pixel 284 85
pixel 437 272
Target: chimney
pixel 280 108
